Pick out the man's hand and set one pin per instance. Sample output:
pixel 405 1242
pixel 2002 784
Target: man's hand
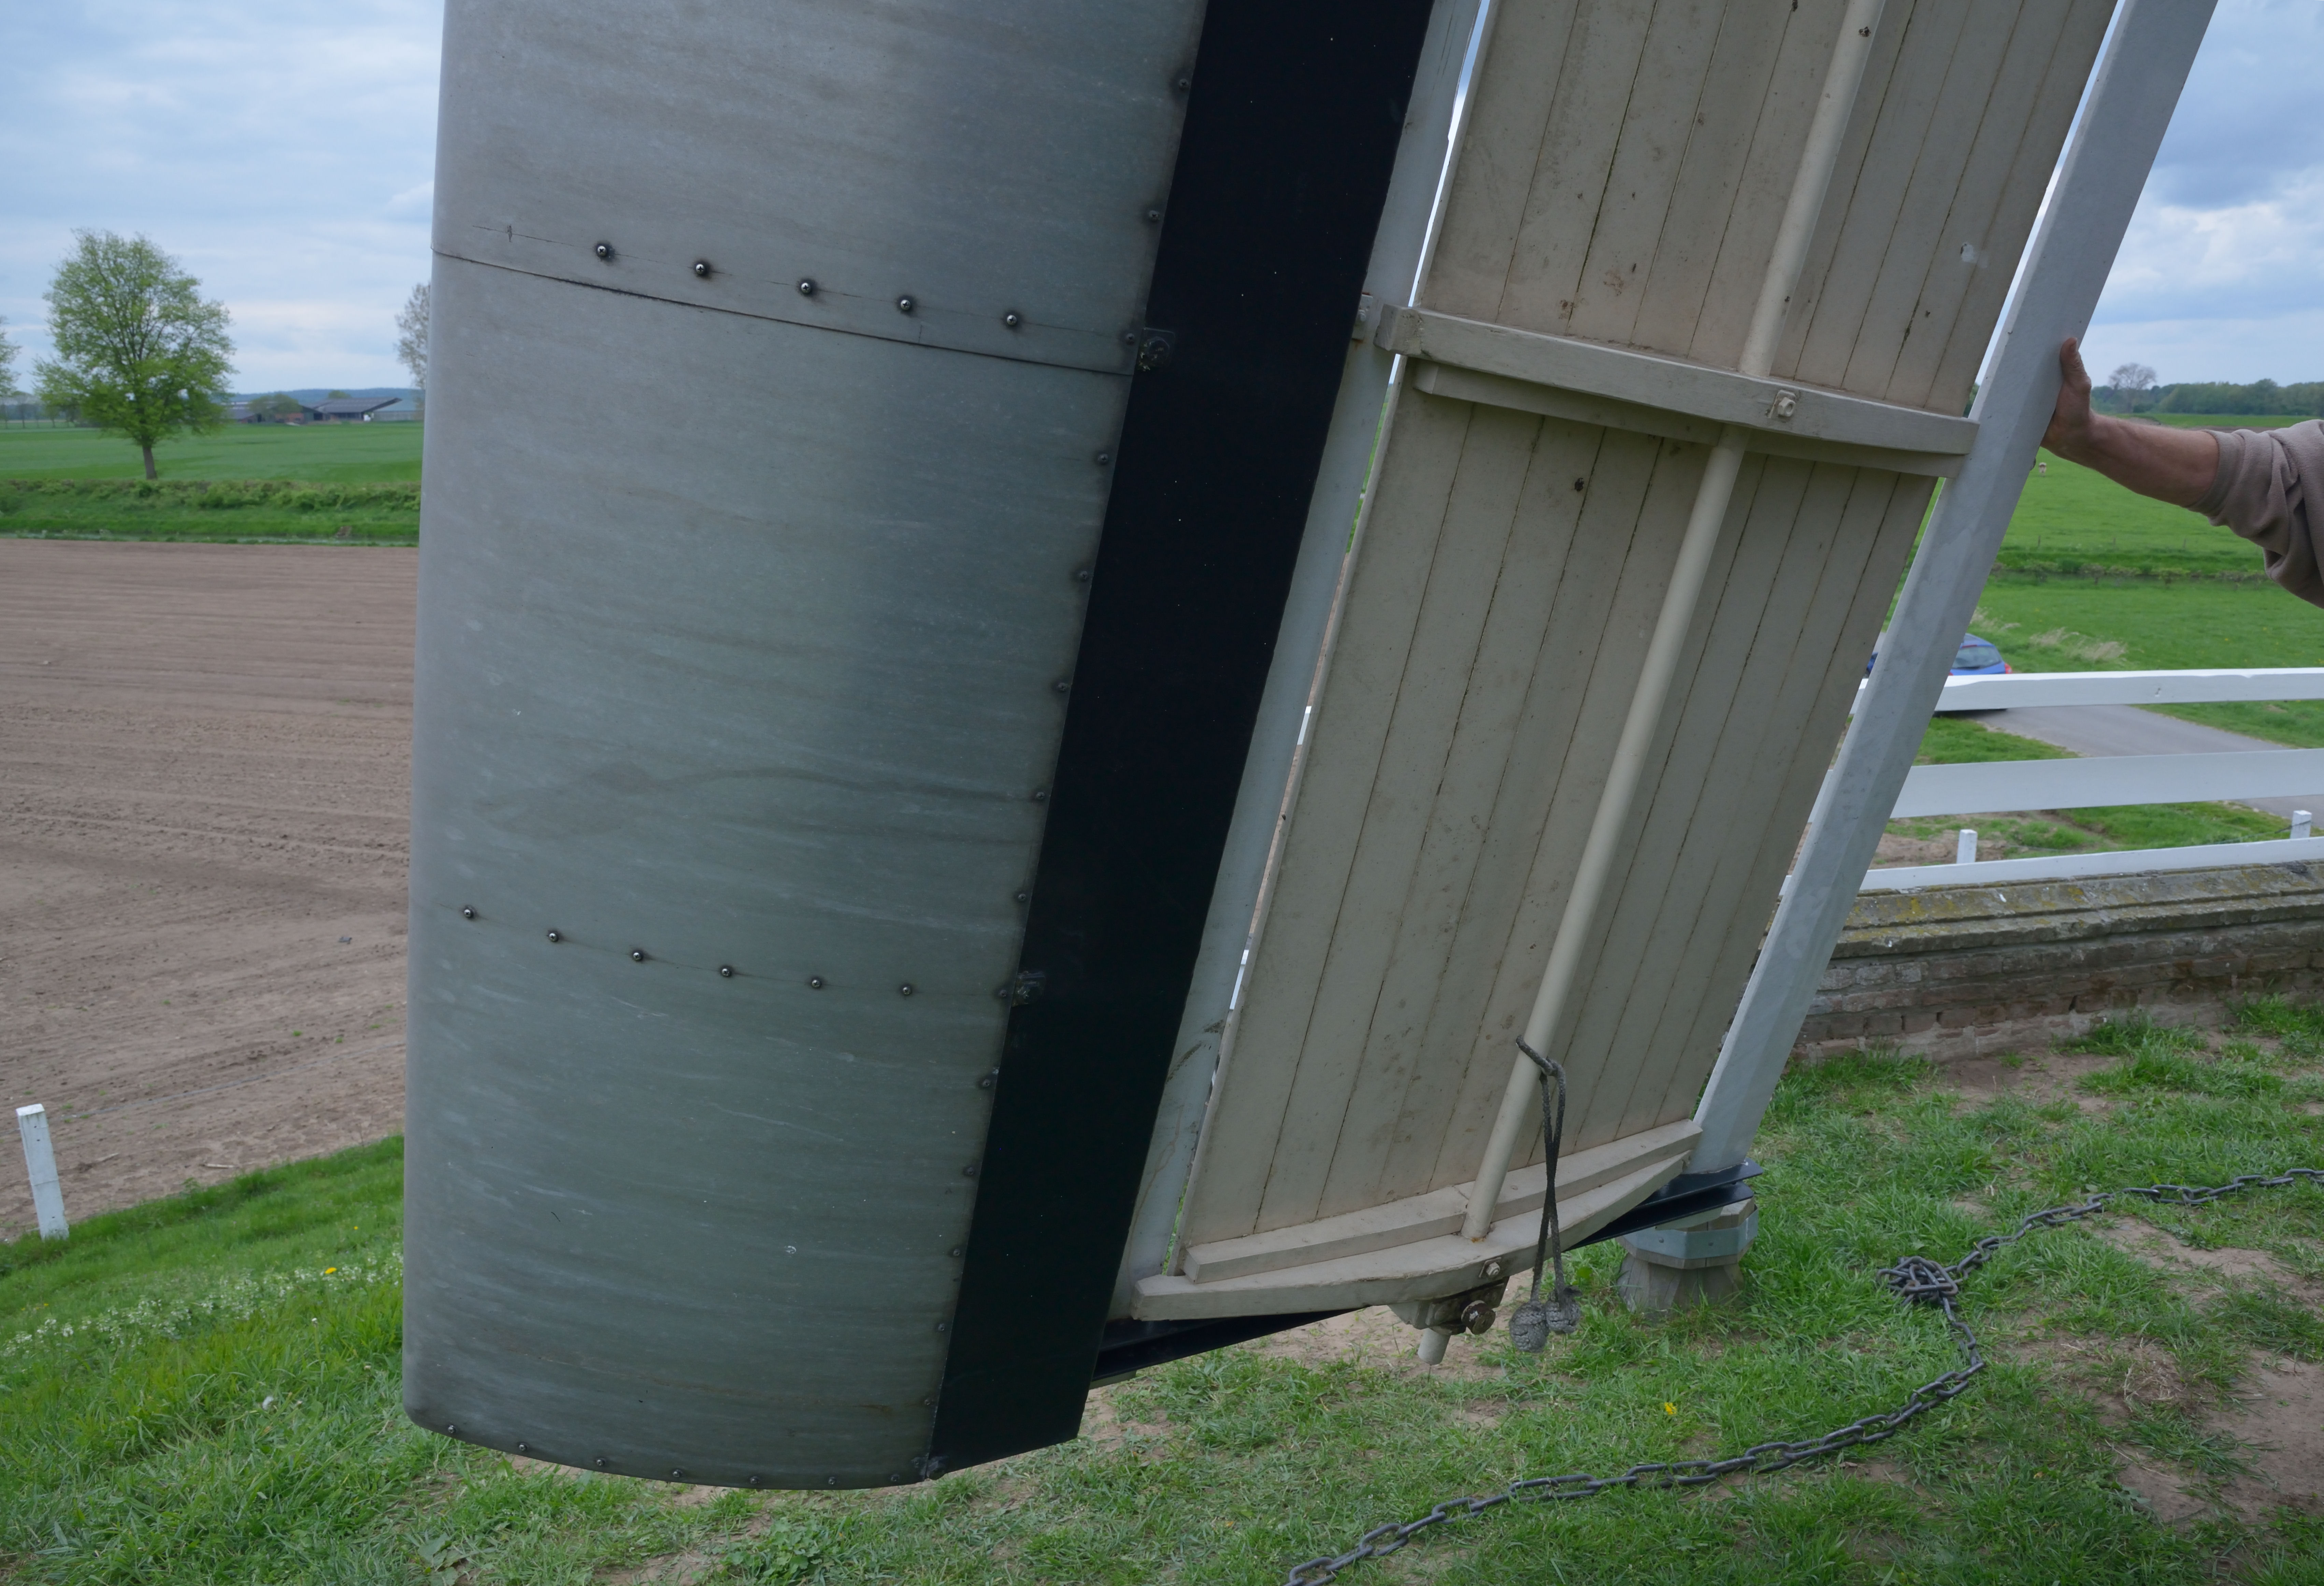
pixel 2176 466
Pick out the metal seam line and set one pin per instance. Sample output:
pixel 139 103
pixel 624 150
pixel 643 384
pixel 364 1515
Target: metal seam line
pixel 1639 728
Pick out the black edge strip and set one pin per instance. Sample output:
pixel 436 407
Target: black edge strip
pixel 1132 1346
pixel 1283 169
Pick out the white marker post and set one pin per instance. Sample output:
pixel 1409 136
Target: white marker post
pixel 41 1161
pixel 1965 847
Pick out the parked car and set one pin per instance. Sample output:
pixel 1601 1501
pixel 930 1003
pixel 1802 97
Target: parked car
pixel 1975 657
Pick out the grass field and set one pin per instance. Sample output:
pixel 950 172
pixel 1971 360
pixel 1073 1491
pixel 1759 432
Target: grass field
pixel 314 454
pixel 206 1389
pixel 2073 520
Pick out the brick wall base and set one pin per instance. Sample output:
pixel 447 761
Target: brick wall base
pixel 1974 971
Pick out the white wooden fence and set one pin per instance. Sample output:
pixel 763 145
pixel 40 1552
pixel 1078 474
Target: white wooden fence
pixel 2111 780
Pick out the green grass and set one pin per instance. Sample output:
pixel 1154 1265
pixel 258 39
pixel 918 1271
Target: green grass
pixel 247 512
pixel 2058 626
pixel 321 454
pixel 144 1448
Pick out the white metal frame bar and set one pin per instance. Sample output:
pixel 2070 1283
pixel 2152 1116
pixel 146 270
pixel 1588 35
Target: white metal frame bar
pixel 2136 88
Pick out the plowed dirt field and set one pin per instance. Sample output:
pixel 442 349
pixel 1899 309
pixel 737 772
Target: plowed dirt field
pixel 204 793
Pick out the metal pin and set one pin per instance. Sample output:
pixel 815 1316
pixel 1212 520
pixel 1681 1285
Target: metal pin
pixel 1012 319
pixel 726 971
pixel 905 989
pixel 604 250
pixel 904 305
pixel 468 914
pixel 637 955
pixel 556 935
pixel 702 268
pixel 815 983
pixel 807 286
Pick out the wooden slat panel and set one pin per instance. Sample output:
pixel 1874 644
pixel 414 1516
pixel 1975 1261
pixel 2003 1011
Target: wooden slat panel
pixel 1493 172
pixel 1581 618
pixel 1962 347
pixel 1346 737
pixel 1577 151
pixel 1471 546
pixel 1909 130
pixel 1657 126
pixel 1396 1056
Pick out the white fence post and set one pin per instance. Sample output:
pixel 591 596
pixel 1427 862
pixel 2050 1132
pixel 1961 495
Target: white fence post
pixel 1965 847
pixel 2300 820
pixel 41 1161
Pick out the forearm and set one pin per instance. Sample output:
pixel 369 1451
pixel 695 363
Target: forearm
pixel 2176 466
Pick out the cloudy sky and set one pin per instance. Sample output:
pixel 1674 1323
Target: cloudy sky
pixel 285 155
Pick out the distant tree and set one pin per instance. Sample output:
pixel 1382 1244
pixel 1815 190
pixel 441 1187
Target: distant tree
pixel 139 352
pixel 412 342
pixel 332 396
pixel 8 351
pixel 2134 381
pixel 280 406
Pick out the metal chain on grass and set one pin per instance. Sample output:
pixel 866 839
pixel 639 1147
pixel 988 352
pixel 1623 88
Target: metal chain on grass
pixel 1915 1279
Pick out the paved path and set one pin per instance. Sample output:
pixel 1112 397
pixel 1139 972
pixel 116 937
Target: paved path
pixel 2127 729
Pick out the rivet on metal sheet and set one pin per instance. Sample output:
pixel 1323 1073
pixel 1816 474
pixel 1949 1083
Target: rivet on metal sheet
pixel 815 983
pixel 905 305
pixel 675 1473
pixel 941 1327
pixel 604 250
pixel 752 1481
pixel 556 935
pixel 1040 796
pixel 702 268
pixel 525 1448
pixel 1024 896
pixel 1012 319
pixel 1130 338
pixel 989 1081
pixel 1153 217
pixel 600 1462
pixel 637 955
pixel 468 914
pixel 451 1430
pixel 1183 84
pixel 807 286
pixel 1063 686
pixel 725 972
pixel 969 1171
pixel 958 1251
pixel 1104 459
pixel 1081 575
pixel 905 989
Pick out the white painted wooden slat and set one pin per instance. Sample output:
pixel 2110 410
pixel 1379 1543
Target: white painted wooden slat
pixel 2115 779
pixel 1721 395
pixel 1258 1060
pixel 1471 545
pixel 2065 867
pixel 1581 624
pixel 1398 1055
pixel 1658 122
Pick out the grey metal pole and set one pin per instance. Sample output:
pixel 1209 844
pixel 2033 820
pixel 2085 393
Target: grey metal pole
pixel 2136 88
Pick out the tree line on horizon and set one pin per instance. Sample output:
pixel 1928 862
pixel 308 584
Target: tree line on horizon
pixel 2260 398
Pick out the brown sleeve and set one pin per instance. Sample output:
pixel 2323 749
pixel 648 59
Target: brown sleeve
pixel 2261 491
